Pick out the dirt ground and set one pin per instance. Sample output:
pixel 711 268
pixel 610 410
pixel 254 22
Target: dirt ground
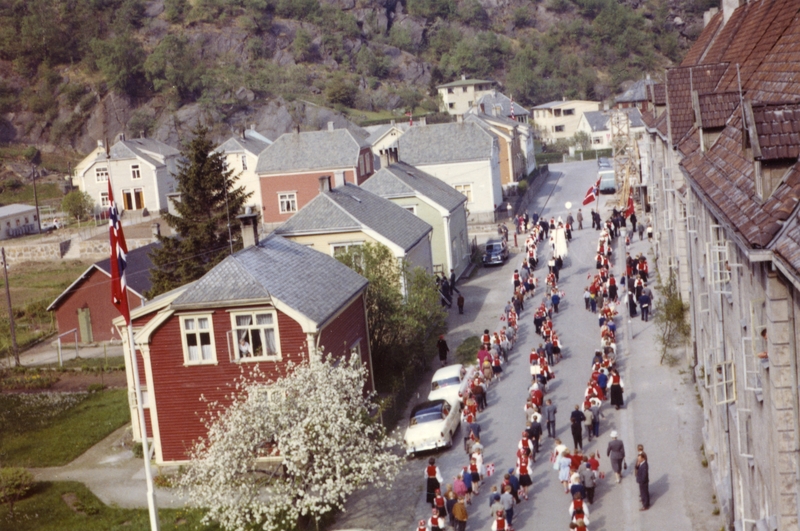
pixel 70 382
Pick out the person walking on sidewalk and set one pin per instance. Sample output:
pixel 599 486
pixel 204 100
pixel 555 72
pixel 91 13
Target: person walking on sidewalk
pixel 577 418
pixel 589 481
pixel 444 350
pixel 644 305
pixel 579 217
pixel 433 480
pixel 616 389
pixel 549 413
pixel 643 479
pixel 616 452
pixel 460 514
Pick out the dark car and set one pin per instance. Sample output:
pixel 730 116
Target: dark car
pixel 496 252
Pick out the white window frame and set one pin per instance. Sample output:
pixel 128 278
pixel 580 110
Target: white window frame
pixel 344 245
pixel 244 162
pixel 290 198
pixel 710 362
pixel 744 432
pixel 724 378
pixel 255 328
pixel 465 189
pixel 101 174
pixel 104 202
pixel 212 360
pixel 136 172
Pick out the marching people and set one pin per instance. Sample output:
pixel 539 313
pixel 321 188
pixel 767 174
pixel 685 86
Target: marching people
pixel 643 479
pixel 433 479
pixel 616 453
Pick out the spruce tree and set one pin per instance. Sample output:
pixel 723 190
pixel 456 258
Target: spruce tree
pixel 209 199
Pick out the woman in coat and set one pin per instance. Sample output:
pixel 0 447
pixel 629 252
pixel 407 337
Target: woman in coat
pixel 616 389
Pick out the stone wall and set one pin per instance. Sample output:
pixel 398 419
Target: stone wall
pixel 100 249
pixel 41 252
pixel 87 250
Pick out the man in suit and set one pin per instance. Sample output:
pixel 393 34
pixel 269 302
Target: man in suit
pixel 549 413
pixel 616 452
pixel 643 479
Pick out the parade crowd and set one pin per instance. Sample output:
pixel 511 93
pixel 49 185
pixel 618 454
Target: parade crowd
pixel 579 472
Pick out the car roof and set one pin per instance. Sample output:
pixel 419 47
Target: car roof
pixel 430 406
pixel 447 372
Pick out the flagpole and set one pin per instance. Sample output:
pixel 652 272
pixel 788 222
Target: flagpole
pixel 148 473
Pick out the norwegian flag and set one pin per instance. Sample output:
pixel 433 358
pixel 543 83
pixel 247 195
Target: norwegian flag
pixel 591 194
pixel 629 210
pixel 119 259
pixel 489 470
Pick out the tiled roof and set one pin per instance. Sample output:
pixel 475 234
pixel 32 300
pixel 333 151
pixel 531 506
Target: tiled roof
pixel 153 151
pixel 726 178
pixel 787 244
pixel 760 30
pixel 695 53
pixel 249 143
pixel 716 108
pixel 270 270
pixel 722 41
pixel 403 180
pixel 311 151
pixel 637 92
pixel 659 94
pixel 661 124
pixel 648 118
pixel 690 143
pixel 777 79
pixel 378 131
pixel 778 128
pixel 351 207
pixel 681 82
pixel 445 143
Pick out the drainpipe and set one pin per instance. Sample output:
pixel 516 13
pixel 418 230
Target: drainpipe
pixel 447 245
pixel 795 401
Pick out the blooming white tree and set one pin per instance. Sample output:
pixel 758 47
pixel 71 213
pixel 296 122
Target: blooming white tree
pixel 290 450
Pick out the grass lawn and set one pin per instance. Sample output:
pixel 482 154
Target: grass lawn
pixel 86 363
pixel 52 429
pixel 45 510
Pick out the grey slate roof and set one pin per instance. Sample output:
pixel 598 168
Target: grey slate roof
pixel 249 143
pixel 598 120
pixel 153 151
pixel 351 207
pixel 465 82
pixel 310 151
pixel 443 143
pixel 499 99
pixel 376 132
pixel 402 180
pixel 636 92
pixel 270 270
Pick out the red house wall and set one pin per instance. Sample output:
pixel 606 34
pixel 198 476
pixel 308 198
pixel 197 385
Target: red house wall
pixel 306 185
pixel 178 388
pixel 93 293
pixel 347 328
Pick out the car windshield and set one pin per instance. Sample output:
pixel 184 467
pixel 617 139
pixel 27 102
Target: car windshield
pixel 425 416
pixel 446 382
pixel 493 248
pixel 429 412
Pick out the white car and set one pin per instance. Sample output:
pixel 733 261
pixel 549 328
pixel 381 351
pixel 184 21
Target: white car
pixel 451 383
pixel 432 425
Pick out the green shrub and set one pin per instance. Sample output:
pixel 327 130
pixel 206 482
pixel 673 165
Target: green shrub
pixel 138 451
pixel 522 187
pixel 95 387
pixel 466 351
pixel 14 485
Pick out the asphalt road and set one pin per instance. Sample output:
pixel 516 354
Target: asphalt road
pixel 660 410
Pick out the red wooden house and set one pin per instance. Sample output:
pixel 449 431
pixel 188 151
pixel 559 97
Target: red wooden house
pixel 86 303
pixel 291 169
pixel 266 305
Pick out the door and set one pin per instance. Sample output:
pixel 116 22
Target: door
pixel 85 325
pixel 138 198
pixel 127 200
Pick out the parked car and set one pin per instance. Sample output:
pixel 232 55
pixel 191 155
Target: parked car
pixel 603 163
pixel 608 183
pixel 432 425
pixel 496 252
pixel 450 383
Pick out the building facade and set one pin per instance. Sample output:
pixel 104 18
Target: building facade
pixel 458 96
pixel 724 180
pixel 18 220
pixel 558 120
pixel 241 156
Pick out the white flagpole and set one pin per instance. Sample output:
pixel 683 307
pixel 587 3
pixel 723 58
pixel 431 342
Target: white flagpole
pixel 148 473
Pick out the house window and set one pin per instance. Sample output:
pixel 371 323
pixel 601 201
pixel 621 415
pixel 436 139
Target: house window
pixel 104 203
pixel 463 89
pixel 451 105
pixel 597 140
pixel 101 174
pixel 558 128
pixel 287 202
pixel 556 112
pixel 355 350
pixel 361 164
pixel 198 339
pixel 469 104
pixel 256 335
pixel 465 189
pixel 450 91
pixel 341 248
pixel 411 208
pixel 135 173
pixel 244 162
pixel 569 112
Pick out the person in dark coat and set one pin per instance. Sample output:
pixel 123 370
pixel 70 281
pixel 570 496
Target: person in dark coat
pixel 633 222
pixel 616 452
pixel 441 345
pixel 644 305
pixel 577 419
pixel 643 479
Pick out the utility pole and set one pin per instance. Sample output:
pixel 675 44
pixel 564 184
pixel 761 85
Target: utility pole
pixel 34 174
pixel 10 310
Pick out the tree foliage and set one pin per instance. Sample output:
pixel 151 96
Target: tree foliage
pixel 121 61
pixel 209 201
pixel 174 68
pixel 399 327
pixel 671 316
pixel 77 204
pixel 317 419
pixel 14 485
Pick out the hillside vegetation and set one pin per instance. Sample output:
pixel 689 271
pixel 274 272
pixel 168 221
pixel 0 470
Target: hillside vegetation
pixel 74 71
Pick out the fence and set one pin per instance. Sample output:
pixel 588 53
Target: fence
pixel 591 154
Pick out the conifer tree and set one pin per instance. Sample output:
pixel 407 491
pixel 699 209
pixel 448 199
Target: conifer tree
pixel 209 201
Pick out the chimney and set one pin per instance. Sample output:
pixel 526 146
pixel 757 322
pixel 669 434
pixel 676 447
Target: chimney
pixel 99 143
pixel 249 221
pixel 330 126
pixel 121 137
pixel 422 121
pixel 156 227
pixel 296 129
pixel 384 156
pixel 242 133
pixel 325 183
pixel 463 77
pixel 482 108
pixel 460 118
pixel 728 7
pixel 563 98
pixel 394 123
pixel 708 15
pixel 141 134
pixel 252 127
